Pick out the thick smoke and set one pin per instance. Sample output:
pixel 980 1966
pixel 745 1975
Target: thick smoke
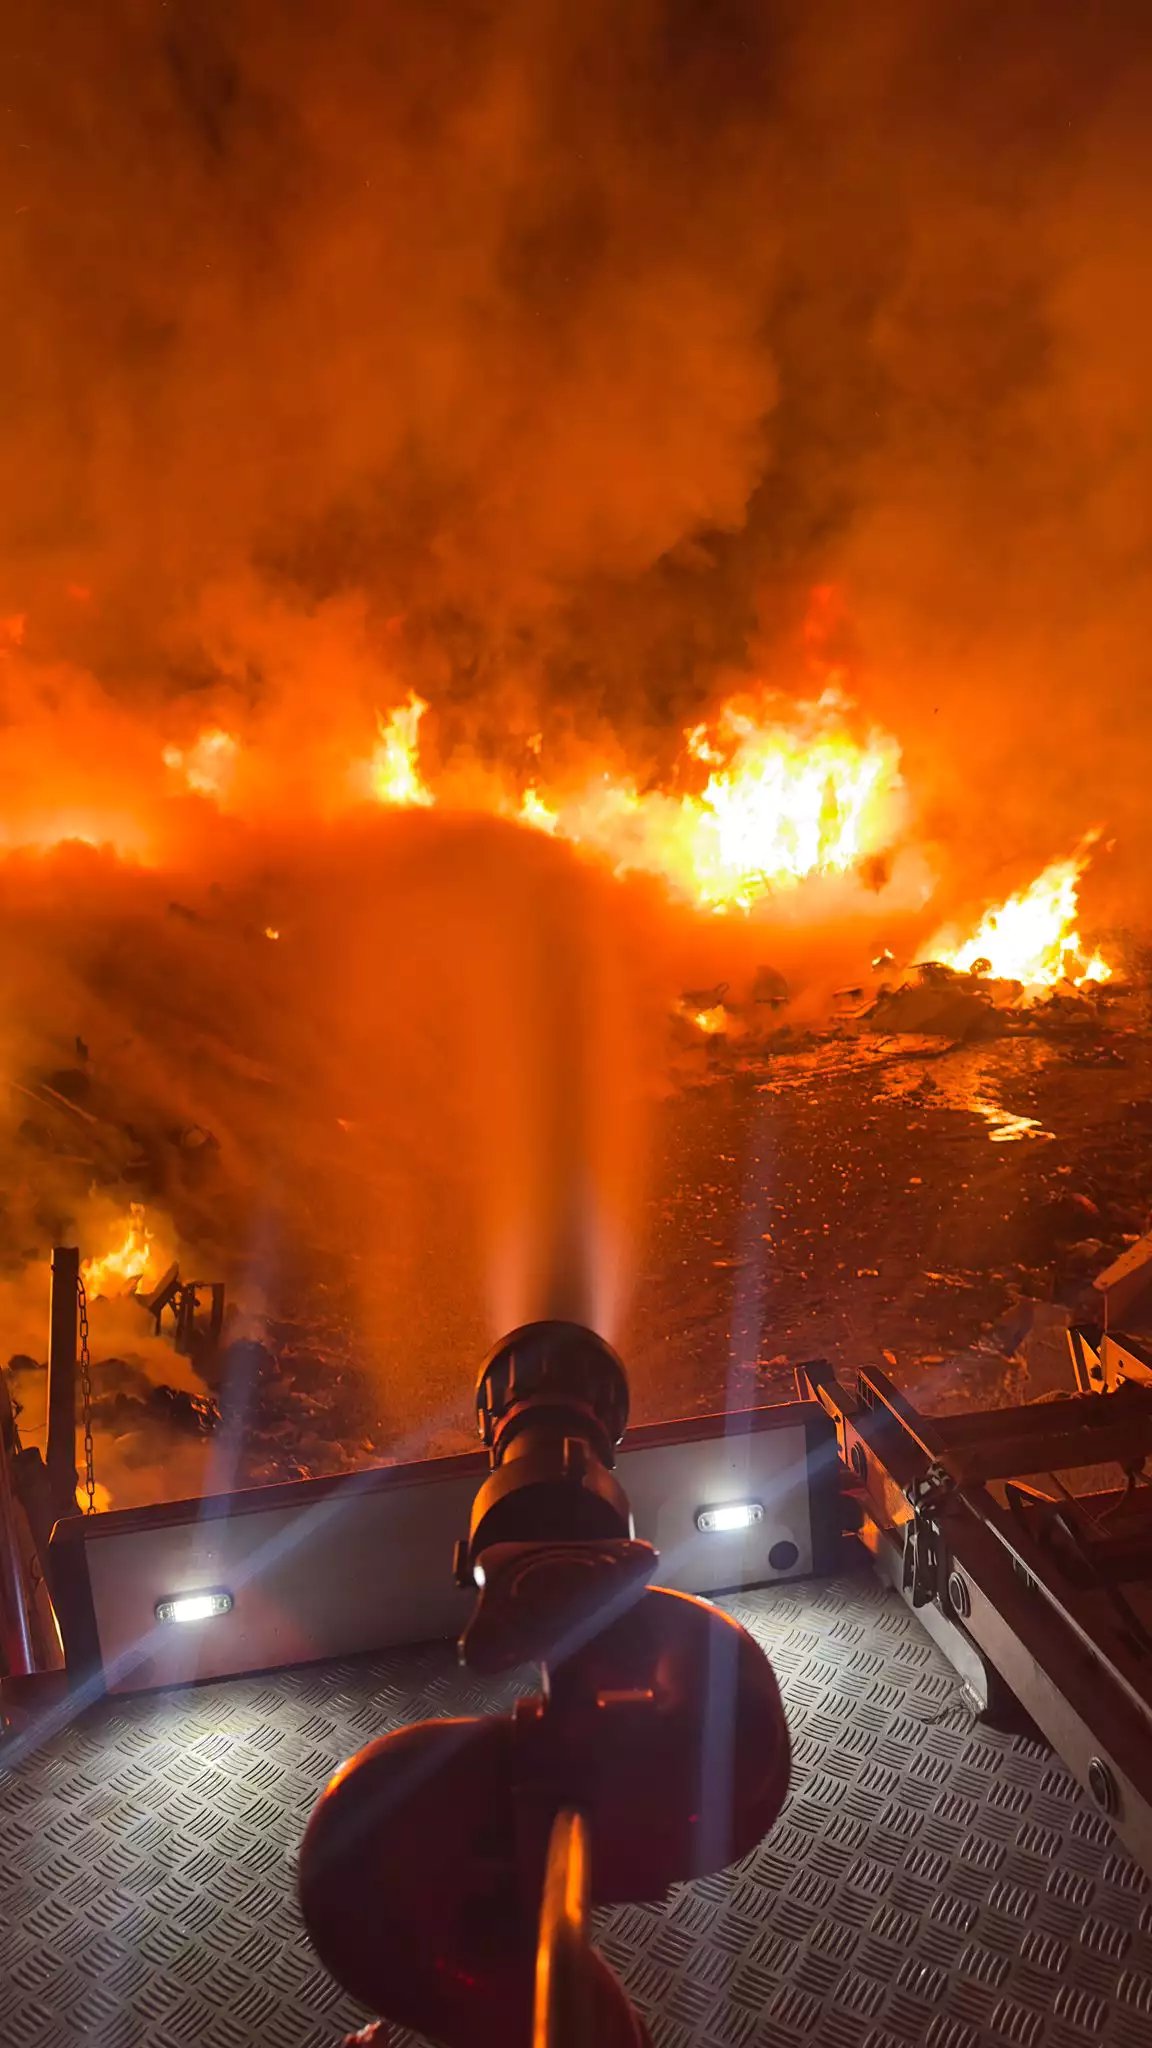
pixel 570 345
pixel 439 304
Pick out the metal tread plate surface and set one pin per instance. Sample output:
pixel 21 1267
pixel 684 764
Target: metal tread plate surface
pixel 931 1882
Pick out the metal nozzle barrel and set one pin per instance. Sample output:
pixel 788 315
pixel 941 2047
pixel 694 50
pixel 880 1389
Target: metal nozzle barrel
pixel 551 1405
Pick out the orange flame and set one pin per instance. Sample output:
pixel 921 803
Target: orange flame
pixel 1033 937
pixel 782 802
pixel 534 811
pixel 121 1270
pixel 711 1022
pixel 395 764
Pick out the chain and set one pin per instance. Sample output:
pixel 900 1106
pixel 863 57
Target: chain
pixel 86 1397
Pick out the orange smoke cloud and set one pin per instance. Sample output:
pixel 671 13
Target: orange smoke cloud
pixel 720 303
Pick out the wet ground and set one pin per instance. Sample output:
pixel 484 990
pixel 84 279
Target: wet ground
pixel 888 1200
pixel 894 1198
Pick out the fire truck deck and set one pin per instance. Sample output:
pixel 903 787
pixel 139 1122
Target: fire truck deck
pixel 931 1881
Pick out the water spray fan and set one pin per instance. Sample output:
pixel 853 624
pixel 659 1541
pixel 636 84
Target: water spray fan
pixel 448 1871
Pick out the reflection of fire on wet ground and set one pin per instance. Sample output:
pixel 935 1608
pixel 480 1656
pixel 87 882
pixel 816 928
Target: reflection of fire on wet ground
pixel 936 1201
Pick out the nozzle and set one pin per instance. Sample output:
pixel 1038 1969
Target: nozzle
pixel 561 1364
pixel 551 1405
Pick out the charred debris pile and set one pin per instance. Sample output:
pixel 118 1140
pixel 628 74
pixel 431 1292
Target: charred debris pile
pixel 931 999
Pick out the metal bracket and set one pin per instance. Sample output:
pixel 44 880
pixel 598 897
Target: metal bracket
pixel 925 1560
pixel 182 1298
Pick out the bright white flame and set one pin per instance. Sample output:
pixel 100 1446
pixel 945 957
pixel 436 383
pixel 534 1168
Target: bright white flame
pixel 788 796
pixel 736 1514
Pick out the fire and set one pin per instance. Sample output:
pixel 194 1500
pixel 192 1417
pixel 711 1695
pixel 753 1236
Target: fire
pixel 207 767
pixel 534 811
pixel 130 1261
pixel 711 1022
pixel 782 802
pixel 1033 937
pixel 699 745
pixel 766 794
pixel 101 1498
pixel 395 765
pixel 787 804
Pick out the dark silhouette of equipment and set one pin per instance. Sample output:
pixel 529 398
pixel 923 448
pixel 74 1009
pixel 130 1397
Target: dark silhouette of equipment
pixel 448 1870
pixel 193 1331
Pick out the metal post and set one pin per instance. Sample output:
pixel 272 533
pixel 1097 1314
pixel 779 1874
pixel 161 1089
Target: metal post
pixel 60 1456
pixel 17 1652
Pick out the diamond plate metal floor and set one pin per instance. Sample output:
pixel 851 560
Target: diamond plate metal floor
pixel 929 1883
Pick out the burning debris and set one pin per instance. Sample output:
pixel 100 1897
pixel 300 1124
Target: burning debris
pixel 121 1270
pixel 936 1171
pixel 782 801
pixel 715 1013
pixel 1033 939
pixel 767 794
pixel 394 769
pixel 705 1012
pixel 961 1004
